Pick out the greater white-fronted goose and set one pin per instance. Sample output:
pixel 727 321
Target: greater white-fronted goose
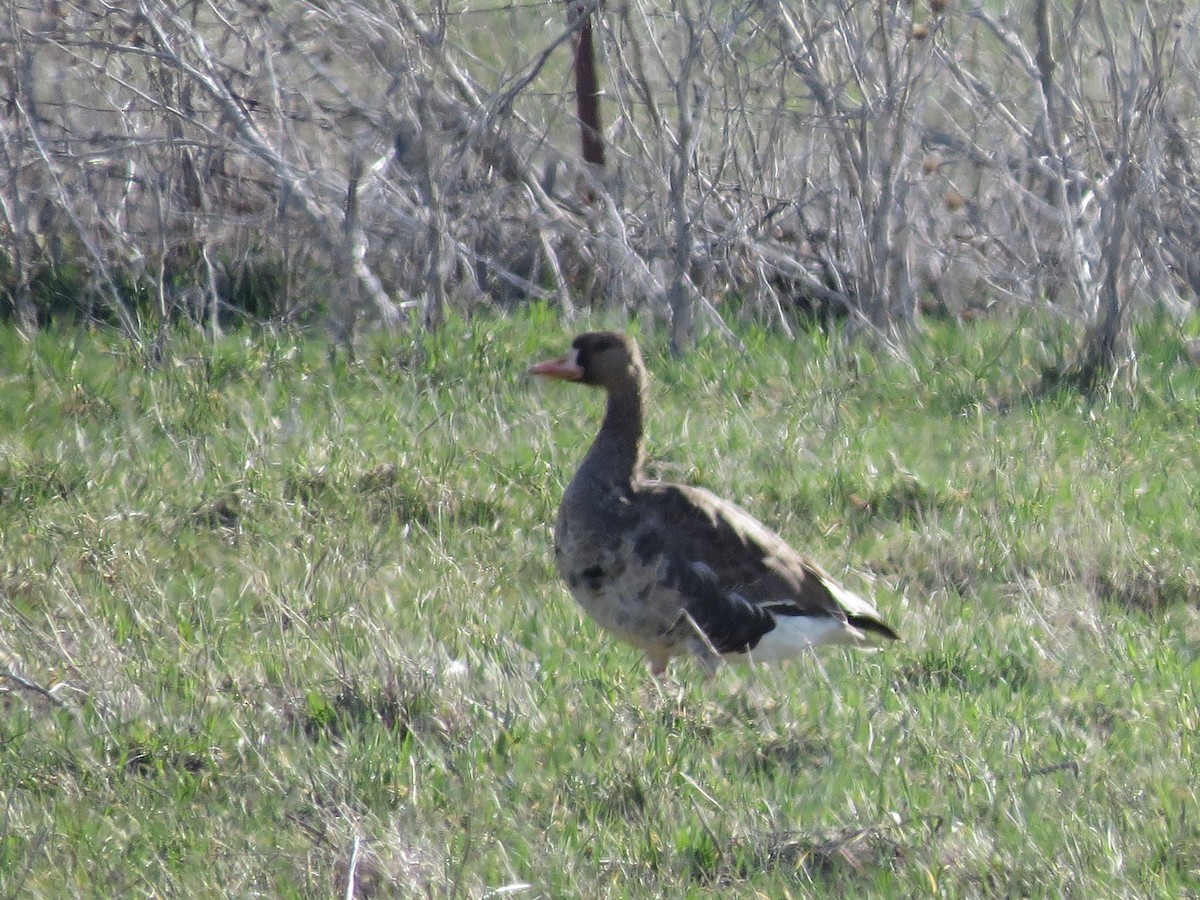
pixel 675 569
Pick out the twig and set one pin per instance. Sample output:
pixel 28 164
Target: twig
pixel 352 867
pixel 8 674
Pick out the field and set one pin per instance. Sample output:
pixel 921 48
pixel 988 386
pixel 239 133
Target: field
pixel 278 623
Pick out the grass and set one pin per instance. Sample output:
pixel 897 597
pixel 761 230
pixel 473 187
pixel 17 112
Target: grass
pixel 271 620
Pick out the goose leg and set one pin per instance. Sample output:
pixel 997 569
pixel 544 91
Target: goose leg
pixel 658 660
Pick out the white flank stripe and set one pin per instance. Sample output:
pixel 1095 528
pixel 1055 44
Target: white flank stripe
pixel 794 636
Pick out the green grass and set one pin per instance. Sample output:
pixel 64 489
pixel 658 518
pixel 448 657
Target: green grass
pixel 297 618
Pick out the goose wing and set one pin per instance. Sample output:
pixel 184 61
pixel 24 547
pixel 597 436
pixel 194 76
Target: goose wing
pixel 736 578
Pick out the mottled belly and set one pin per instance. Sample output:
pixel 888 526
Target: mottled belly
pixel 620 597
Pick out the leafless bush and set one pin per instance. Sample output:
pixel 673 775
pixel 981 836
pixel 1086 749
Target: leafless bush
pixel 382 160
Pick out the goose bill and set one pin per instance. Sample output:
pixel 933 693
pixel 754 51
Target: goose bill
pixel 564 367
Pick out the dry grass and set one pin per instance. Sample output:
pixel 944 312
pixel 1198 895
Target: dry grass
pixel 373 161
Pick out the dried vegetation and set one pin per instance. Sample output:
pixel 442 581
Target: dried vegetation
pixel 379 161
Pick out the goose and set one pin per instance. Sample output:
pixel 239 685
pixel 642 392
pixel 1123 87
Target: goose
pixel 674 569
